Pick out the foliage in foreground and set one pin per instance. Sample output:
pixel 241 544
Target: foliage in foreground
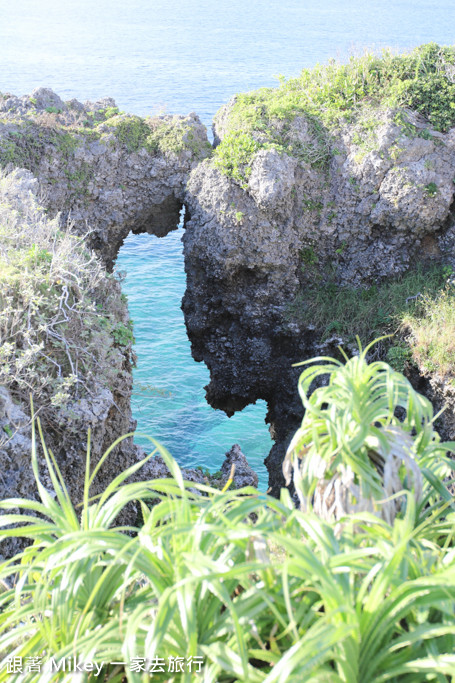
pixel 261 591
pixel 366 437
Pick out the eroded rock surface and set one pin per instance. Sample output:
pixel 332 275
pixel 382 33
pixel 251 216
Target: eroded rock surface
pixel 108 172
pixel 379 205
pixel 244 475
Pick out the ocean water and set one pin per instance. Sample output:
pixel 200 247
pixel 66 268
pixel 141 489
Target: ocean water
pixel 179 56
pixel 168 397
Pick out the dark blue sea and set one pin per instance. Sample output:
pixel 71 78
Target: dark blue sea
pixel 181 56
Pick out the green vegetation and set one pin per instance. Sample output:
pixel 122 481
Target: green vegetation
pixel 330 95
pixel 78 179
pixel 123 334
pixel 431 189
pixel 25 142
pixel 26 147
pixel 53 110
pixel 131 131
pixel 154 135
pixel 366 312
pixel 22 148
pixel 417 309
pixel 170 138
pixel 352 445
pixel 256 589
pixel 309 256
pixel 54 342
pixel 399 356
pixel 432 331
pixel 234 155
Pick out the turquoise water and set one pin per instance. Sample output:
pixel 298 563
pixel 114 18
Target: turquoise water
pixel 168 399
pixel 181 56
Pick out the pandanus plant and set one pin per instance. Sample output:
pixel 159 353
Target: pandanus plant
pixel 366 438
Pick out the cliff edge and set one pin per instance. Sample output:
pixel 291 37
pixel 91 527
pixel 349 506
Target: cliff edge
pixel 324 212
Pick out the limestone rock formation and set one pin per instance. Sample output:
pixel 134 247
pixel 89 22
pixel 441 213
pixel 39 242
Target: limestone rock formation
pixel 260 235
pixel 244 475
pixel 106 171
pixel 75 353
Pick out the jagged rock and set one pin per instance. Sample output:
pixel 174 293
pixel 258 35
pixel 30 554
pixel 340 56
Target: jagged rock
pixel 251 247
pixel 156 468
pixel 108 172
pixel 244 475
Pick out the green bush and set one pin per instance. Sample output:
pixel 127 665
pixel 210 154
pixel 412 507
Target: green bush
pixel 131 131
pixel 54 340
pixel 259 590
pixel 234 156
pixel 366 437
pixel 330 95
pixel 156 135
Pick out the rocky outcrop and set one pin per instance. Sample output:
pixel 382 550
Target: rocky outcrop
pixel 244 475
pixel 108 172
pixel 101 174
pixel 371 206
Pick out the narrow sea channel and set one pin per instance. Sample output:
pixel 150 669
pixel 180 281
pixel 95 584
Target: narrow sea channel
pixel 169 398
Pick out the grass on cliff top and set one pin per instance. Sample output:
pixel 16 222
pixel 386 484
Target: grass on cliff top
pixel 156 135
pixel 419 307
pixel 331 94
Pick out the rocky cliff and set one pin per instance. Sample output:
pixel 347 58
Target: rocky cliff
pixel 325 189
pixel 326 211
pixel 106 171
pixel 94 174
pixel 76 180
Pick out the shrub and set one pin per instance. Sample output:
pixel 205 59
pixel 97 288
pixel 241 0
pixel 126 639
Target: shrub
pixel 366 436
pixel 131 131
pixel 58 307
pixel 258 590
pixel 234 157
pixel 156 135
